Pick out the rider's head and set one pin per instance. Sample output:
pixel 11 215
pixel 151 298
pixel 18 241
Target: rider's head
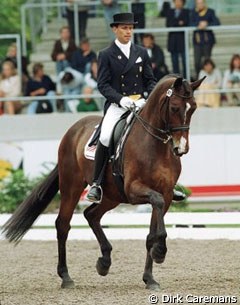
pixel 122 26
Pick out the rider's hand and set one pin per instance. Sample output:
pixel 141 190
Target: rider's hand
pixel 140 103
pixel 126 102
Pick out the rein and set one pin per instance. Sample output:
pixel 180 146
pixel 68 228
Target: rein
pixel 146 126
pixel 169 129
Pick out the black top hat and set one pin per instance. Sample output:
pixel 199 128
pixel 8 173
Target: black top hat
pixel 123 18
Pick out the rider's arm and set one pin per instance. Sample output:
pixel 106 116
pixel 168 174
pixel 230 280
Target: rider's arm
pixel 104 79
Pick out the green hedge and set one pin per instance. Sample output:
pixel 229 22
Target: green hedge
pixel 14 189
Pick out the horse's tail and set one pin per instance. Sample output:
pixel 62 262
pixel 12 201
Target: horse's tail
pixel 29 210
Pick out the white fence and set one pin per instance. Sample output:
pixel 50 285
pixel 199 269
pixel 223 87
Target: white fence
pixel 120 226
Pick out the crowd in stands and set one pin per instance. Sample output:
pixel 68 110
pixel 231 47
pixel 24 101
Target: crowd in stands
pixel 76 66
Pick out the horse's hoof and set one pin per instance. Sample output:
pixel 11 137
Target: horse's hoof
pixel 158 255
pixel 68 284
pixel 153 286
pixel 103 266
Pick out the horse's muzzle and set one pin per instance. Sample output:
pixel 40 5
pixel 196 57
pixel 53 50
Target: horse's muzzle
pixel 180 147
pixel 177 153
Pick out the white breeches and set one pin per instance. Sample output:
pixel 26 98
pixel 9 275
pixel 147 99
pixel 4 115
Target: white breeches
pixel 111 117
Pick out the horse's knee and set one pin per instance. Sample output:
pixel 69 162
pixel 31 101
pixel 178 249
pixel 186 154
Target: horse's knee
pixel 150 241
pixel 161 236
pixel 88 214
pixel 157 200
pixel 62 227
pixel 158 252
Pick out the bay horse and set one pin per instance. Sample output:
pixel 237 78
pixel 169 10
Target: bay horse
pixel 151 167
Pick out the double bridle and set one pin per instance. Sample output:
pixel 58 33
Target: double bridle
pixel 167 132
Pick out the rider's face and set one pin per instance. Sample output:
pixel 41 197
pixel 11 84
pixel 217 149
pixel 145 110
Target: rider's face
pixel 123 32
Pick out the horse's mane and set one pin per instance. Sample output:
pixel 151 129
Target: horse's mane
pixel 168 76
pixel 163 82
pixel 160 86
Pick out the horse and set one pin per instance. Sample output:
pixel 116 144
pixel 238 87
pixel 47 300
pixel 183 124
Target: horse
pixel 151 167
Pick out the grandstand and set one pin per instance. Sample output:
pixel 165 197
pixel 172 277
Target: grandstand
pixel 227 11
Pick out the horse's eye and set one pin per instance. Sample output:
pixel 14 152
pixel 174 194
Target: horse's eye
pixel 174 109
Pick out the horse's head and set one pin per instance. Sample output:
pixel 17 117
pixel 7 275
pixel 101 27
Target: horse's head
pixel 177 108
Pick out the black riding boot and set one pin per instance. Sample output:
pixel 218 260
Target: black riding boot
pixel 101 159
pixel 178 195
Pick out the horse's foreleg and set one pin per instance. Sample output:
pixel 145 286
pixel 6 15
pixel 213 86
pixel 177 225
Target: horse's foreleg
pixel 70 194
pixel 148 275
pixel 93 214
pixel 159 249
pixel 156 240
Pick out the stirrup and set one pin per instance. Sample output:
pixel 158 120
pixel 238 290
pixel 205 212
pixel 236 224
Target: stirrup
pixel 94 197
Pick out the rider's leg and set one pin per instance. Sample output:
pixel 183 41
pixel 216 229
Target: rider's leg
pixel 101 159
pixel 111 117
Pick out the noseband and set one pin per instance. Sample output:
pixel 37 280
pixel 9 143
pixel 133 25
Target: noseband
pixel 170 129
pixel 167 132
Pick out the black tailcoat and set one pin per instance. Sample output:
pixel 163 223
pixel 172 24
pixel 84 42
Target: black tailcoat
pixel 119 76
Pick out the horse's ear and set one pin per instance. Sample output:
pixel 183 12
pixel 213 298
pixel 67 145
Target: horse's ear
pixel 178 83
pixel 197 83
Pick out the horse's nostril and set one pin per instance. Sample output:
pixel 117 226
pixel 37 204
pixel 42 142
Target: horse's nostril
pixel 175 149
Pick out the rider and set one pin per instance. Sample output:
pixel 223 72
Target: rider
pixel 125 78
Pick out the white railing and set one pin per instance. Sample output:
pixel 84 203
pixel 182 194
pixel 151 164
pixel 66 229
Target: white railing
pixel 97 95
pixel 45 97
pixel 123 226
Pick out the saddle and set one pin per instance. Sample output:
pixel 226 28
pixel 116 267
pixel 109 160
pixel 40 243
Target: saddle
pixel 116 148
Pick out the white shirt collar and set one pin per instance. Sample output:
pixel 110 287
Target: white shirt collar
pixel 125 48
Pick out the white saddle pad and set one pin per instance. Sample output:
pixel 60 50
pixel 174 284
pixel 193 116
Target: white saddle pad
pixel 89 151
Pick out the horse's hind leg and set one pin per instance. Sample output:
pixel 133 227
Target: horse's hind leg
pixel 71 188
pixel 93 214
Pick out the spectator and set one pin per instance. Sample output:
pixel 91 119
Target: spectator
pixel 69 82
pixel 231 80
pixel 87 103
pixel 90 79
pixel 156 55
pixel 164 6
pixel 82 17
pixel 177 17
pixel 82 57
pixel 63 49
pixel 12 56
pixel 138 10
pixel 203 39
pixel 213 81
pixel 40 85
pixel 110 8
pixel 10 86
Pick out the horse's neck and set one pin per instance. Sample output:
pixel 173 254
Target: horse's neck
pixel 152 113
pixel 145 135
